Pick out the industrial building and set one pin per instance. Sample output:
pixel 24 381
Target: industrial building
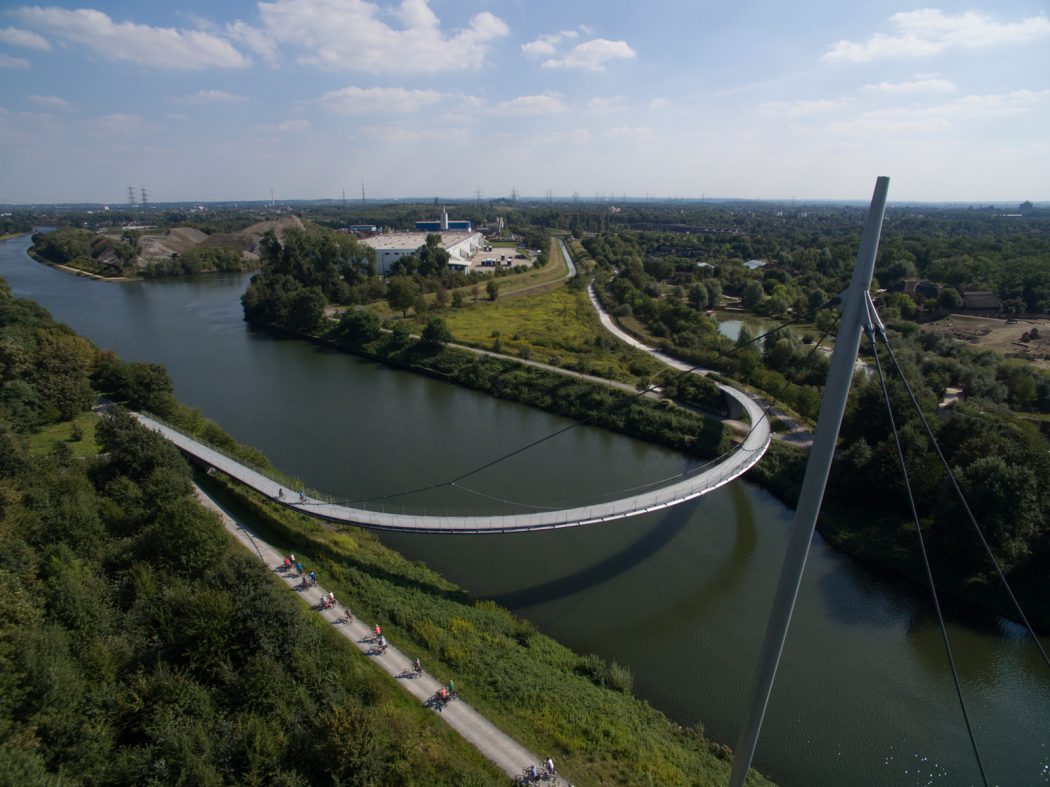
pixel 461 246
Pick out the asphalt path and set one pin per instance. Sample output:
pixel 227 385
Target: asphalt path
pixel 507 754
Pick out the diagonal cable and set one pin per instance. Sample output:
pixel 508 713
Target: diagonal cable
pixel 925 558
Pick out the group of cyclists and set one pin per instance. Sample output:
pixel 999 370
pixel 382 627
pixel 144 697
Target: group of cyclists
pixel 444 695
pixel 545 771
pixel 309 579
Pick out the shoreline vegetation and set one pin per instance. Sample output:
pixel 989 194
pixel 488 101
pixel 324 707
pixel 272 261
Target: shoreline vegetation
pixel 281 298
pixel 202 665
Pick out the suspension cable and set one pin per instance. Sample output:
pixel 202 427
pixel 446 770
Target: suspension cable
pixel 925 558
pixel 962 497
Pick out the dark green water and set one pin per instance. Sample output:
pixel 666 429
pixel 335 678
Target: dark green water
pixel 863 695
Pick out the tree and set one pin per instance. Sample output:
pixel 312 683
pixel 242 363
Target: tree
pixel 436 333
pixel 457 299
pixel 949 298
pixel 433 259
pixel 401 294
pixel 419 305
pixel 441 297
pixel 359 326
pixel 752 294
pixel 698 296
pixel 492 289
pixel 306 309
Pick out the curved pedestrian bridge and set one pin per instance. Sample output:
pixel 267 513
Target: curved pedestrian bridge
pixel 706 479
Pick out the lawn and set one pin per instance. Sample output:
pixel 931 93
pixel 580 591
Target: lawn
pixel 559 327
pixel 41 442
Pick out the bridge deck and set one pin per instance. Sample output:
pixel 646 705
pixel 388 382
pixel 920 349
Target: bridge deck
pixel 735 464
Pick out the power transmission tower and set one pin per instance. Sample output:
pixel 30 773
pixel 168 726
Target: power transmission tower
pixel 344 198
pixel 550 196
pixel 145 197
pixel 362 191
pixel 131 196
pixel 513 193
pixel 477 196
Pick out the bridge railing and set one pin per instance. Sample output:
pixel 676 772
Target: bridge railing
pixel 438 518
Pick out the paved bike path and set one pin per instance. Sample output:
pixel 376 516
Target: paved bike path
pixel 510 756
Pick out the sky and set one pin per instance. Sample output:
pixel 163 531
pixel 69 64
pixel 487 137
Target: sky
pixel 309 99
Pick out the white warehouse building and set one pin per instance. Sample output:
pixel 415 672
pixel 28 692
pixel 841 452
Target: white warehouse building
pixel 461 247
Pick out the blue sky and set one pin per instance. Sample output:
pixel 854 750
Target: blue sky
pixel 205 101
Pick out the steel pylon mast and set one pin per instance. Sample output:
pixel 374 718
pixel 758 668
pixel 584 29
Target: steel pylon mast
pixel 832 406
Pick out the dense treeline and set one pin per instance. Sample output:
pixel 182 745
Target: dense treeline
pixel 1000 459
pixel 200 259
pixel 312 268
pixel 85 250
pixel 15 224
pixel 784 365
pixel 137 645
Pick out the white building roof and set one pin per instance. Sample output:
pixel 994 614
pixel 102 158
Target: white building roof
pixel 413 240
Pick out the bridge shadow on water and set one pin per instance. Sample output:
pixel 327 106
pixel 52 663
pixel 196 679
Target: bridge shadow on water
pixel 634 554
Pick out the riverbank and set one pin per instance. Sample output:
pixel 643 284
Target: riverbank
pixel 861 535
pixel 578 709
pixel 659 422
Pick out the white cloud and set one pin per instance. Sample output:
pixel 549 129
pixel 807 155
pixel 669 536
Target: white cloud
pixel 351 34
pixel 593 55
pixel 118 122
pixel 254 39
pixel 6 61
pixel 164 47
pixel 210 97
pixel 286 126
pixel 606 105
pixel 631 132
pixel 917 85
pixel 659 103
pixel 996 104
pixel 531 105
pixel 799 108
pixel 940 117
pixel 16 37
pixel 363 101
pixel 544 46
pixel 52 102
pixel 399 134
pixel 576 136
pixel 930 31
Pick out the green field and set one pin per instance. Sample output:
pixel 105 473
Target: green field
pixel 44 441
pixel 559 327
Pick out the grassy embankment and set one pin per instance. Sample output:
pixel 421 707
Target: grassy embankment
pixel 577 708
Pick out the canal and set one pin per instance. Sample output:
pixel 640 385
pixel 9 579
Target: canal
pixel 863 695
